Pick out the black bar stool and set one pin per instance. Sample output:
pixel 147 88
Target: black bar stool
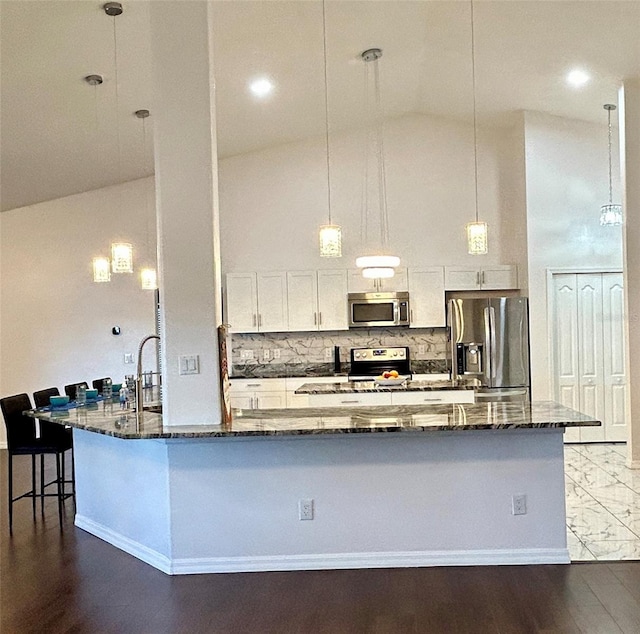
pixel 70 390
pixel 21 440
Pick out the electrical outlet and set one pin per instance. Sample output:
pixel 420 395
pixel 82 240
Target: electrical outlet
pixel 276 353
pixel 422 349
pixel 266 354
pixel 246 354
pixel 328 353
pixel 519 504
pixel 305 509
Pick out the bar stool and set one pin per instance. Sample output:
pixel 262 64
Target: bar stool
pixel 98 384
pixel 41 399
pixel 70 390
pixel 21 440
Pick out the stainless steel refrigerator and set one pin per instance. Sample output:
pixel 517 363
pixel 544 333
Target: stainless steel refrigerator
pixel 490 343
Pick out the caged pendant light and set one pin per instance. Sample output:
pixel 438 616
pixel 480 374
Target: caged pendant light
pixel 330 234
pixel 477 231
pixel 381 265
pixel 610 215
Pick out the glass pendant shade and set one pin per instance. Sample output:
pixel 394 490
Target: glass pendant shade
pixel 477 238
pixel 101 270
pixel 330 241
pixel 377 261
pixel 378 272
pixel 121 257
pixel 148 279
pixel 610 215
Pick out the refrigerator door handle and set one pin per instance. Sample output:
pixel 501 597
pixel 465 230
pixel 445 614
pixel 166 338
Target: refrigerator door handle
pixel 488 348
pixel 492 341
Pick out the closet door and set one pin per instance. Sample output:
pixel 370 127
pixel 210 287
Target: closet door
pixel 615 380
pixel 590 353
pixel 565 347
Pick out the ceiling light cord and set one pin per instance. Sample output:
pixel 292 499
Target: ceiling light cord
pixel 326 105
pixel 475 127
pixel 382 172
pixel 115 78
pixel 610 169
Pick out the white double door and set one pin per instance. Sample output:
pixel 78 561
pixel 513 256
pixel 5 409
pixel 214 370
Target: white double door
pixel 589 352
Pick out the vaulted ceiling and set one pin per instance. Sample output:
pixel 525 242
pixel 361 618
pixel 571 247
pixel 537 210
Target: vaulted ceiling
pixel 61 136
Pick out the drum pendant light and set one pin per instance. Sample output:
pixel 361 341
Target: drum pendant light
pixel 381 265
pixel 477 231
pixel 330 234
pixel 610 215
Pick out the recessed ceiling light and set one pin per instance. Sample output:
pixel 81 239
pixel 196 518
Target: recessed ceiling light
pixel 578 78
pixel 261 87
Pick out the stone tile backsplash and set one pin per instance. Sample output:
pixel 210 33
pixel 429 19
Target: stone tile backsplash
pixel 315 348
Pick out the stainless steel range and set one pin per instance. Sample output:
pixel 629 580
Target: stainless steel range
pixel 368 363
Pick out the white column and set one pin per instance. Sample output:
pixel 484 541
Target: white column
pixel 629 113
pixel 187 208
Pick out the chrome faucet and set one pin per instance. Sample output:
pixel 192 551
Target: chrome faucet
pixel 138 403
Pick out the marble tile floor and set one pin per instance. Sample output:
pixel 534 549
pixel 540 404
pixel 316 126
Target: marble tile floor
pixel 603 503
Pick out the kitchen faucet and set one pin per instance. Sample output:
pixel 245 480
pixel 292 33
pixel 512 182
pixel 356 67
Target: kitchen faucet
pixel 138 402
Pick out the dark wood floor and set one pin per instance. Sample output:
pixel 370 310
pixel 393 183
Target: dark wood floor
pixel 70 581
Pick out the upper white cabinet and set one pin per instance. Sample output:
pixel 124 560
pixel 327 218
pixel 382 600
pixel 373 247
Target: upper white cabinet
pixel 426 297
pixel 487 278
pixel 359 284
pixel 257 302
pixel 317 300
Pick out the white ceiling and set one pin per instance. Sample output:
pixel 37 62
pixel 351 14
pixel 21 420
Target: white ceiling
pixel 60 136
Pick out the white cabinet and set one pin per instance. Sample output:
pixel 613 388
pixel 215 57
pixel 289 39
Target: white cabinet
pixel 257 302
pixel 589 352
pixel 258 393
pixel 488 278
pixel 426 297
pixel 359 284
pixel 302 400
pixel 317 300
pixel 432 397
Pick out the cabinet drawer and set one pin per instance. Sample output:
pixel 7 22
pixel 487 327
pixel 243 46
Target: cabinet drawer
pixel 257 385
pixel 297 400
pixel 432 397
pixel 349 400
pixel 294 383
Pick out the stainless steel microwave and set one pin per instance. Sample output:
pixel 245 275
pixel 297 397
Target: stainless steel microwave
pixel 378 309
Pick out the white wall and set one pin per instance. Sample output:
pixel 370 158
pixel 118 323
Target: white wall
pixel 273 201
pixel 566 183
pixel 56 322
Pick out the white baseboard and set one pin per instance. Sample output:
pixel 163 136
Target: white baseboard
pixel 148 555
pixel 332 561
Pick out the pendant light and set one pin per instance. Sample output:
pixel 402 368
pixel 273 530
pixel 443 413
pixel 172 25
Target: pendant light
pixel 477 231
pixel 381 265
pixel 148 277
pixel 330 234
pixel 610 215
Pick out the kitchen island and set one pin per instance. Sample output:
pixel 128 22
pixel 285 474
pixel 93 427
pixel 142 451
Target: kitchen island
pixel 390 486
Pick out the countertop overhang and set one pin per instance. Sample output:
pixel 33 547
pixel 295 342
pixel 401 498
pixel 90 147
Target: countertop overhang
pixel 108 419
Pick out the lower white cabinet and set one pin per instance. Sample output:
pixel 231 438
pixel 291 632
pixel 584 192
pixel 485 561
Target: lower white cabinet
pixel 302 400
pixel 350 400
pixel 258 393
pixel 432 397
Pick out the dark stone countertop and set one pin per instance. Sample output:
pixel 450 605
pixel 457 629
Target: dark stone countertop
pixel 359 387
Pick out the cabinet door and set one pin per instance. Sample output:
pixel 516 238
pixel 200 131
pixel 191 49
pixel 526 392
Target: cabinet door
pixel 426 297
pixel 302 293
pixel 615 380
pixel 359 284
pixel 591 365
pixel 333 311
pixel 242 401
pixel 565 347
pixel 461 278
pixel 499 277
pixel 272 302
pixel 270 400
pixel 242 302
pixel 399 282
pixel 350 400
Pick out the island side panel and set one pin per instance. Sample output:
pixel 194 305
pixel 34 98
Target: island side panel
pixel 383 500
pixel 122 494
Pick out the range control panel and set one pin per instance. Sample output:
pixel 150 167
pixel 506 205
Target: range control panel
pixel 379 354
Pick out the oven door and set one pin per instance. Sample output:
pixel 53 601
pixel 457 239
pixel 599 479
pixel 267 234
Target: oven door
pixel 373 312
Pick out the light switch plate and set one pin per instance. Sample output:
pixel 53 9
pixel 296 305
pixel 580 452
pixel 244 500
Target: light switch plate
pixel 189 364
pixel 128 357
